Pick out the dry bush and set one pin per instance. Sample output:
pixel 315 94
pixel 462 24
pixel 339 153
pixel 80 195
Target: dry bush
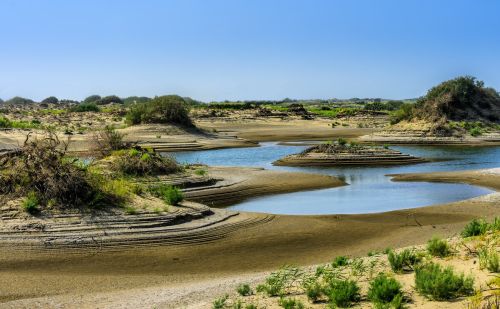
pixel 41 168
pixel 138 161
pixel 108 140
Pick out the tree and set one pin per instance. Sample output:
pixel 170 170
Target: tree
pixel 110 99
pixel 92 98
pixel 164 109
pixel 19 100
pixel 50 99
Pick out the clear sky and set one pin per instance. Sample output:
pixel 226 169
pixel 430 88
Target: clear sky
pixel 253 49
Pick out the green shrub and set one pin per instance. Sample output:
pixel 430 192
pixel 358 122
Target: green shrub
pixel 220 302
pixel 339 261
pixel 278 283
pixel 244 289
pixel 385 290
pixel 109 99
pixel 403 261
pixel 489 259
pixel 30 203
pixel 342 293
pixel 341 141
pixel 85 107
pixel 313 289
pixel 170 194
pixel 476 131
pixel 200 172
pixel 405 112
pixel 250 306
pixel 475 228
pixel 164 109
pixel 5 122
pixel 495 225
pixel 438 283
pixel 290 303
pixel 438 247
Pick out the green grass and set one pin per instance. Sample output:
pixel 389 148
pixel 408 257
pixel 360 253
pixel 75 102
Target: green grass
pixel 278 283
pixel 290 303
pixel 489 259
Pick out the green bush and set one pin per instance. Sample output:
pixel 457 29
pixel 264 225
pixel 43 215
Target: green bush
pixel 489 259
pixel 220 302
pixel 170 194
pixel 405 112
pixel 438 247
pixel 244 289
pixel 385 290
pixel 438 283
pixel 339 261
pixel 403 261
pixel 164 109
pixel 85 107
pixel 50 99
pixel 341 141
pixel 475 228
pixel 5 122
pixel 314 290
pixel 92 99
pixel 30 203
pixel 475 132
pixel 109 99
pixel 342 293
pixel 290 303
pixel 495 225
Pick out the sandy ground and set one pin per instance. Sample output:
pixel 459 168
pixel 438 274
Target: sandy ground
pixel 160 137
pixel 241 183
pixel 190 275
pixel 273 129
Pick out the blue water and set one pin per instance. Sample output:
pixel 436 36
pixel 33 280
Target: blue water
pixel 369 189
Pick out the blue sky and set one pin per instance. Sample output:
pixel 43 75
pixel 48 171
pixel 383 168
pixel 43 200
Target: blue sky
pixel 253 49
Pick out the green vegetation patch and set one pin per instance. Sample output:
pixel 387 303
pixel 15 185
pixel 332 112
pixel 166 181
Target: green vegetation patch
pixel 165 109
pixel 442 283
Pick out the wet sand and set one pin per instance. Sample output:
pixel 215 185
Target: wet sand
pixel 246 252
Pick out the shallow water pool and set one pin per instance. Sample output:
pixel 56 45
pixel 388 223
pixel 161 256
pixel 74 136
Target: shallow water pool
pixel 369 189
